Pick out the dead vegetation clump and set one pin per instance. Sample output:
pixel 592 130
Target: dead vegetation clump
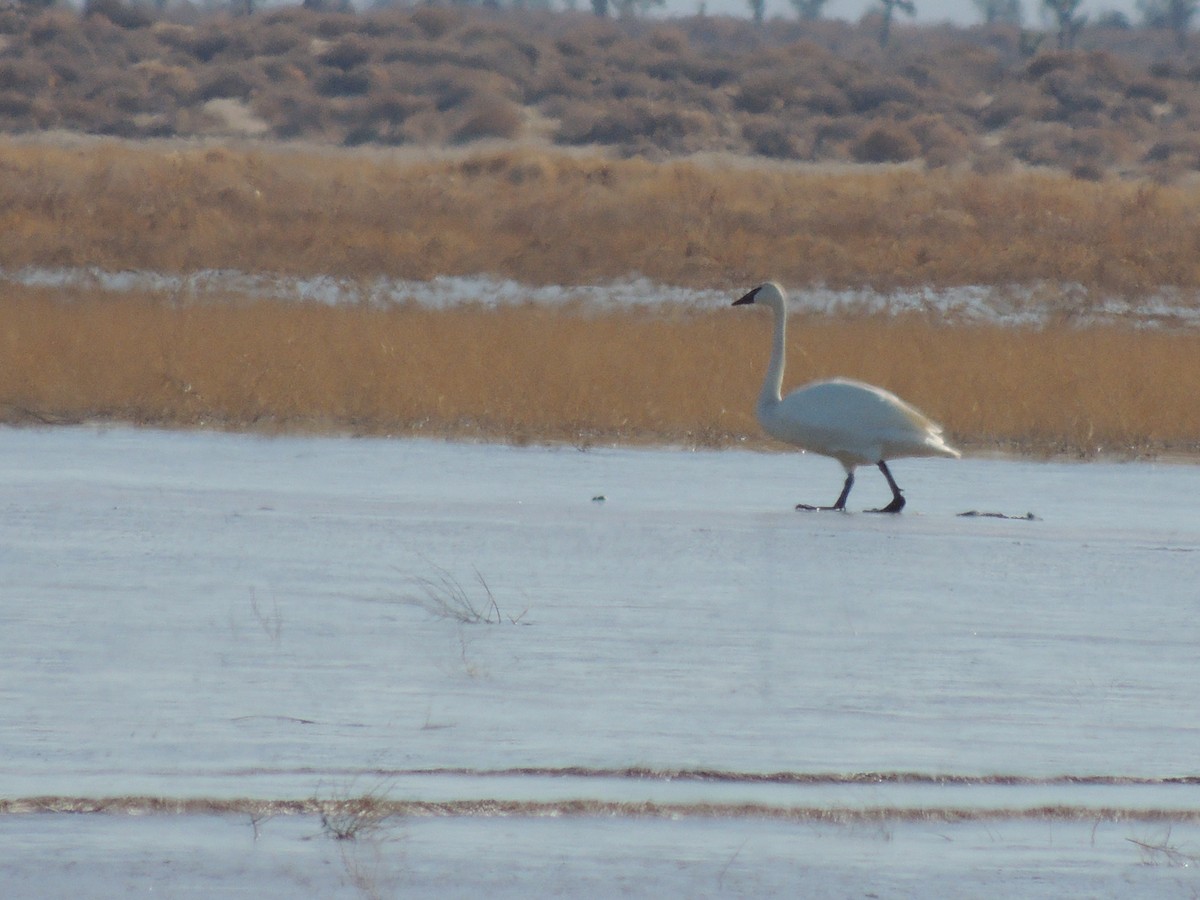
pixel 352 818
pixel 445 596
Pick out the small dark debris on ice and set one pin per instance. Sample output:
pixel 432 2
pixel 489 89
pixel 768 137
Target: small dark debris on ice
pixel 1028 517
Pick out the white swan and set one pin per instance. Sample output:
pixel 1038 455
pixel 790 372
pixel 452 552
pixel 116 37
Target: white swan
pixel 855 423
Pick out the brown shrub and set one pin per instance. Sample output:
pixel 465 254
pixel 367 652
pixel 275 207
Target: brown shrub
pixel 29 75
pixel 1038 143
pixel 346 53
pixel 487 116
pixel 15 105
pixel 175 82
pixel 330 25
pixel 292 111
pixel 1075 96
pixel 767 136
pixel 380 117
pixel 1087 171
pixel 280 39
pixel 225 82
pixel 338 83
pixel 1014 103
pixel 762 92
pixel 1151 89
pixel 1049 61
pixel 123 15
pixel 51 26
pixel 632 124
pixel 885 142
pixel 827 100
pixel 205 44
pixel 692 69
pixel 436 21
pixel 941 143
pixel 872 94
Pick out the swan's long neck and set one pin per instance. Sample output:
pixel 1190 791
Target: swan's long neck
pixel 773 385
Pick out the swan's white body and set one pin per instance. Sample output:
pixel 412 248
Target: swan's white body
pixel 856 424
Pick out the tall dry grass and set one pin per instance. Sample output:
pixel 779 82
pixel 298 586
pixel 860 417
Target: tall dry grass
pixel 544 218
pixel 533 374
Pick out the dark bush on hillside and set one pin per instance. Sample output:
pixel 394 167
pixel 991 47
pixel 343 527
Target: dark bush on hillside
pixel 292 112
pixel 870 95
pixel 224 83
pixel 24 75
pixel 769 137
pixel 1087 171
pixel 330 26
pixel 281 39
pixel 15 105
pixel 436 21
pixel 381 117
pixel 499 54
pixel 762 92
pixel 347 53
pixel 344 84
pixel 204 45
pixel 1148 89
pixel 1057 144
pixel 635 125
pixel 826 100
pixel 831 136
pixel 591 123
pixel 171 85
pixel 689 68
pixel 487 116
pixel 120 14
pixel 885 142
pixel 51 26
pixel 1073 95
pixel 1045 63
pixel 1013 103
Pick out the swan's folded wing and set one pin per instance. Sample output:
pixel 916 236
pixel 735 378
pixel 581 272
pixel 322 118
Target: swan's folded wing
pixel 856 422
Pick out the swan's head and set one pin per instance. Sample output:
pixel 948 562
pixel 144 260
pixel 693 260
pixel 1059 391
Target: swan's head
pixel 766 294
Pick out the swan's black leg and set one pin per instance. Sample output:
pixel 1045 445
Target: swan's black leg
pixel 840 505
pixel 841 500
pixel 897 503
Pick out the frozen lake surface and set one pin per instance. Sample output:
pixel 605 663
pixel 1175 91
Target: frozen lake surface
pixel 683 687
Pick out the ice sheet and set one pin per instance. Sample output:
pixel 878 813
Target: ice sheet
pixel 193 614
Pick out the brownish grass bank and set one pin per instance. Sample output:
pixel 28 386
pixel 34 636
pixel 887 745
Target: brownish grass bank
pixel 549 218
pixel 532 374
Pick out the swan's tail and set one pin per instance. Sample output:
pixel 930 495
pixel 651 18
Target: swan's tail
pixel 938 446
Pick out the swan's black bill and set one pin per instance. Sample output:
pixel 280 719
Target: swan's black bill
pixel 748 297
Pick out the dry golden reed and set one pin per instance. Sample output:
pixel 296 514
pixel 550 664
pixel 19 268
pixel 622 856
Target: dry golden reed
pixel 545 217
pixel 528 373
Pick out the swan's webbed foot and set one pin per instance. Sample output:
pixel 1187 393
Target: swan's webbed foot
pixel 897 503
pixel 839 504
pixel 895 506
